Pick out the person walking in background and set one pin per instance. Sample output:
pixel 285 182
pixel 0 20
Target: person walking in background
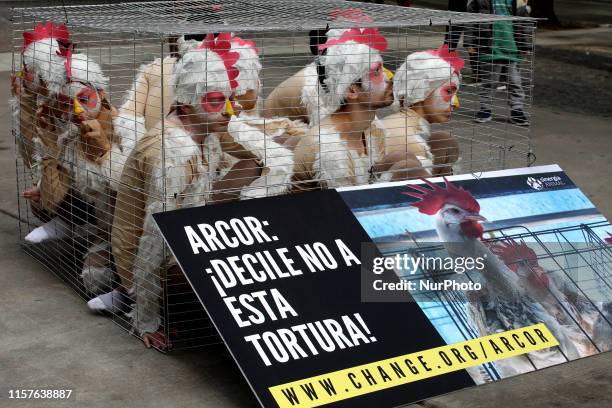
pixel 453 33
pixel 501 44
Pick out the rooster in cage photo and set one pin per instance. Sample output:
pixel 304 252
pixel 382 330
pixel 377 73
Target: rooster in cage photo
pixel 502 303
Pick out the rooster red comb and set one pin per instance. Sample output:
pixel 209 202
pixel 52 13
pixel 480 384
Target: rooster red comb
pixel 609 239
pixel 452 57
pixel 49 30
pixel 245 43
pixel 432 200
pixel 367 36
pixel 351 14
pixel 511 252
pixel 222 46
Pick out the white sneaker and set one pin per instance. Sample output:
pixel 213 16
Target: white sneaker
pixel 111 302
pixel 54 229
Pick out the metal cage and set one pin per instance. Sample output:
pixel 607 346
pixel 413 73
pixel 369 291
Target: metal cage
pixel 80 182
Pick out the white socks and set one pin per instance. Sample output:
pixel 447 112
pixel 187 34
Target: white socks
pixel 112 302
pixel 54 229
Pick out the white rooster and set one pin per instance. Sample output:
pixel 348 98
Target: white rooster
pixel 502 304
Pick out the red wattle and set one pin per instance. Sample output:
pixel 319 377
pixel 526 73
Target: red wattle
pixel 472 229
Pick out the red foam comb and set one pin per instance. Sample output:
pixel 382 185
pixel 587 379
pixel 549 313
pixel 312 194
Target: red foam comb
pixel 222 46
pixel 351 14
pixel 368 36
pixel 49 30
pixel 245 43
pixel 452 57
pixel 432 200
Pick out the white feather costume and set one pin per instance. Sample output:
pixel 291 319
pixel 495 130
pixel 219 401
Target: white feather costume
pixel 184 179
pixel 323 158
pixel 94 180
pixel 256 135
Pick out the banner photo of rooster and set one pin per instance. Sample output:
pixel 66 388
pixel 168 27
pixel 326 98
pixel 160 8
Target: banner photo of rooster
pixel 548 255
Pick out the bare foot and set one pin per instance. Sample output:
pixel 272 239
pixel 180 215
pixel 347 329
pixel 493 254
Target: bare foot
pixel 158 340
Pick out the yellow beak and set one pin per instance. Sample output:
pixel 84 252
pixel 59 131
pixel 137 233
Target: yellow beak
pixel 20 74
pixel 455 102
pixel 78 109
pixel 229 109
pixel 388 73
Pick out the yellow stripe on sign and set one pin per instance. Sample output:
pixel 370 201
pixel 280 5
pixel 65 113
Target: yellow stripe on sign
pixel 392 372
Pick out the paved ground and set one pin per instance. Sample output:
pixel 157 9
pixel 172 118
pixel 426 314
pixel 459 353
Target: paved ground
pixel 48 339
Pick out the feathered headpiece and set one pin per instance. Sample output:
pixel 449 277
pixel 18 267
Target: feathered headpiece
pixel 46 52
pixel 367 36
pixel 221 45
pixel 82 68
pixel 248 65
pixel 424 71
pixel 432 200
pixel 49 30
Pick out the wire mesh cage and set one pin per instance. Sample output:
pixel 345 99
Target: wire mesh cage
pixel 569 265
pixel 124 110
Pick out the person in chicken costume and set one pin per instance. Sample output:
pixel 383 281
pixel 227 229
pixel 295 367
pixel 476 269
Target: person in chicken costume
pixel 251 157
pixel 43 60
pixel 260 164
pixel 34 89
pixel 79 151
pixel 299 96
pixel 425 92
pixel 336 152
pixel 202 84
pixel 95 155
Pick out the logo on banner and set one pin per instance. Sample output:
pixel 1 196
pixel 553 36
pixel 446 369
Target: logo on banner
pixel 541 183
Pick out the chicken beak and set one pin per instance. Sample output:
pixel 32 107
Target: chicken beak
pixel 455 102
pixel 229 109
pixel 77 108
pixel 388 73
pixel 475 218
